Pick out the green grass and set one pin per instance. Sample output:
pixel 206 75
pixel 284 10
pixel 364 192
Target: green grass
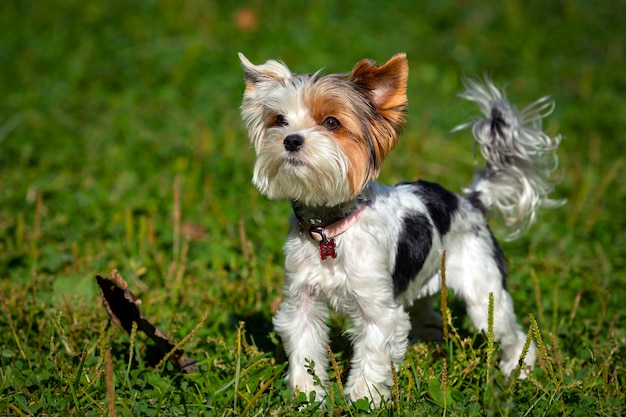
pixel 115 115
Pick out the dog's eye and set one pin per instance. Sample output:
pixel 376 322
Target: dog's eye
pixel 331 123
pixel 280 120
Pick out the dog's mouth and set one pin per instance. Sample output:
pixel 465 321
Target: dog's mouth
pixel 294 159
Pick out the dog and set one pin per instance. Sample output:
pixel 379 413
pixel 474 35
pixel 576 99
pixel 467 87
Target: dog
pixel 373 252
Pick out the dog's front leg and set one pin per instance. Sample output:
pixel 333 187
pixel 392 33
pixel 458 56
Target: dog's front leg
pixel 301 325
pixel 380 337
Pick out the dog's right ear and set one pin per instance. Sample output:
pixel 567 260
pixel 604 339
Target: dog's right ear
pixel 270 71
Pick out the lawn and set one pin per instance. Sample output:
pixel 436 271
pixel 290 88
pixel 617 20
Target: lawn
pixel 121 147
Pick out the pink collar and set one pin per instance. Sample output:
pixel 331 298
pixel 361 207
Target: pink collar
pixel 326 234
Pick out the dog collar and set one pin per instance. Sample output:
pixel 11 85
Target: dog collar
pixel 325 235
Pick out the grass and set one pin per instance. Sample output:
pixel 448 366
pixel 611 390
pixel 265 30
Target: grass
pixel 121 147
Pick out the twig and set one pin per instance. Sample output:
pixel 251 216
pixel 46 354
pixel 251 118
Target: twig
pixel 110 384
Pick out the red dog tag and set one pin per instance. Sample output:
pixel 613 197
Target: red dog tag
pixel 327 248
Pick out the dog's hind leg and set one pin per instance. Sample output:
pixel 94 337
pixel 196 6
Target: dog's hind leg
pixel 474 270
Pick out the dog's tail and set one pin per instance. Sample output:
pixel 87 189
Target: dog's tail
pixel 520 158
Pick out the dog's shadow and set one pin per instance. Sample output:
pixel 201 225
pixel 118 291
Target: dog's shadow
pixel 260 333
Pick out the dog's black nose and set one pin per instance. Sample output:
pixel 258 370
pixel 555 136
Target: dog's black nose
pixel 293 142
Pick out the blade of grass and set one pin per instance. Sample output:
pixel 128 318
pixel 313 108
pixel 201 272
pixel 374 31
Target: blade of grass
pixel 176 218
pixel 12 326
pixel 79 372
pixel 542 348
pixel 518 369
pixel 179 345
pixel 131 351
pixel 537 289
pixel 240 330
pixel 263 388
pixel 34 249
pixel 490 338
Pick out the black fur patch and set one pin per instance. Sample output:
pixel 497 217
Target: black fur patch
pixel 414 244
pixel 474 199
pixel 441 203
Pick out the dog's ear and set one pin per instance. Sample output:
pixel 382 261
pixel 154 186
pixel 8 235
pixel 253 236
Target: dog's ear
pixel 386 85
pixel 270 71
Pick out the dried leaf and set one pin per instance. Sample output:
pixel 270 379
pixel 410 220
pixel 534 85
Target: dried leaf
pixel 124 309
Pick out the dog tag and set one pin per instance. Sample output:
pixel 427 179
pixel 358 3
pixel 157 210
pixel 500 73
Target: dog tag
pixel 327 248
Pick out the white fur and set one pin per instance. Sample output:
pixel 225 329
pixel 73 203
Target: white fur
pixel 362 281
pixel 321 158
pixel 358 284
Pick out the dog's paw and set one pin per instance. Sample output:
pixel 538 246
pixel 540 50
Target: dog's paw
pixel 510 360
pixel 359 389
pixel 306 385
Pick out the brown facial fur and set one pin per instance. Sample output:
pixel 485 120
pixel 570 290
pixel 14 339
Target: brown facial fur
pixel 370 107
pixel 369 103
pixel 385 87
pixel 329 98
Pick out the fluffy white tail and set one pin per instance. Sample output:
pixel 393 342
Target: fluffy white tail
pixel 520 158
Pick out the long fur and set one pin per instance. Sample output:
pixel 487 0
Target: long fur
pixel 520 158
pixel 320 142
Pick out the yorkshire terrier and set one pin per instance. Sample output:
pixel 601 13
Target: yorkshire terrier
pixel 374 252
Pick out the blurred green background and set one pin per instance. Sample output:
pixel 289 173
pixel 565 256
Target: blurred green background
pixel 102 104
pixel 111 111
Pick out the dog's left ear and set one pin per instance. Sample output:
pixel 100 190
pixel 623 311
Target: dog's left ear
pixel 386 85
pixel 271 71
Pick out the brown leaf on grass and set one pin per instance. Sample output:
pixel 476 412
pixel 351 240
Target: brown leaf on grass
pixel 124 309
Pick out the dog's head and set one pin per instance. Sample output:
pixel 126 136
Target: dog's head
pixel 319 139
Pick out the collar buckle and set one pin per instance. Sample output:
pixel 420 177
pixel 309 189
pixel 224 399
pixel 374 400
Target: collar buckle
pixel 318 233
